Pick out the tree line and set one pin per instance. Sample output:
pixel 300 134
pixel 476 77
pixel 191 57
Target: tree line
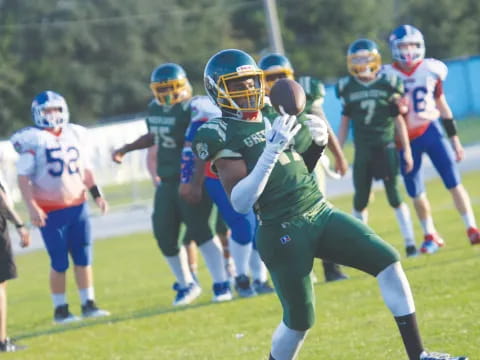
pixel 99 53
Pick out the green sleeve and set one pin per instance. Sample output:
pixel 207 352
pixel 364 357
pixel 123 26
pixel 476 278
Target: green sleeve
pixel 209 140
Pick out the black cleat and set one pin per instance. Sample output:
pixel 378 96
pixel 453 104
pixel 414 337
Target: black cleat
pixel 90 310
pixel 10 346
pixel 63 316
pixel 411 251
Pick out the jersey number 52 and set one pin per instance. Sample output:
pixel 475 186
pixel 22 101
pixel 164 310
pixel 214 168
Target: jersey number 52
pixel 59 160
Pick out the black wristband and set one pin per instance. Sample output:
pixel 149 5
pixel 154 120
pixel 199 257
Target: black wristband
pixel 18 226
pixel 450 126
pixel 95 192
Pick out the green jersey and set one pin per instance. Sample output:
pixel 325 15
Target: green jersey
pixel 368 105
pixel 314 92
pixel 168 125
pixel 290 189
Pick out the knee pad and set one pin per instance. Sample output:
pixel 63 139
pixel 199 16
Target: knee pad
pixel 300 317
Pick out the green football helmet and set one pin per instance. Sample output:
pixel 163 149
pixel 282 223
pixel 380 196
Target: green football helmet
pixel 169 84
pixel 275 66
pixel 223 72
pixel 363 58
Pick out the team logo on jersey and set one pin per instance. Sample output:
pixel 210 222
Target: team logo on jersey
pixel 285 239
pixel 202 150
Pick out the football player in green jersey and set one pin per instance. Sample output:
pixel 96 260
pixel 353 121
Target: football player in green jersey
pixel 370 104
pixel 259 166
pixel 169 115
pixel 277 66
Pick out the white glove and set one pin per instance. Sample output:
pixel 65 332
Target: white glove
pixel 318 129
pixel 279 135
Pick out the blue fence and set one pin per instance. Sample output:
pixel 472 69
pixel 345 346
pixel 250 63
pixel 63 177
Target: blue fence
pixel 462 89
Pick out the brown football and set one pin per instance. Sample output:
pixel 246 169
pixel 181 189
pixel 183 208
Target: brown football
pixel 289 94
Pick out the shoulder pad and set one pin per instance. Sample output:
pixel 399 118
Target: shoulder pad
pixel 437 67
pixel 210 139
pixel 80 132
pixel 203 109
pixel 26 139
pixel 341 84
pixel 387 69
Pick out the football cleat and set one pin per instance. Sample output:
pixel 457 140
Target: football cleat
pixel 10 346
pixel 262 287
pixel 63 316
pixel 473 235
pixel 187 294
pixel 222 292
pixel 411 251
pixel 243 287
pixel 91 310
pixel 431 244
pixel 440 356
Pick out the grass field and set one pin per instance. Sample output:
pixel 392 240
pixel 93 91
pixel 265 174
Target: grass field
pixel 133 282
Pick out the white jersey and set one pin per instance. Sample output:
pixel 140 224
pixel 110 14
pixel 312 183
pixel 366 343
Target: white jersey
pixel 54 163
pixel 421 87
pixel 203 109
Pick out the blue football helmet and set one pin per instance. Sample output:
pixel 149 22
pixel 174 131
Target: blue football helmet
pixel 50 119
pixel 407 35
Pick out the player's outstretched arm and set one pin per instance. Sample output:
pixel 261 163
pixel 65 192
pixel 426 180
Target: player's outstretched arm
pixel 142 142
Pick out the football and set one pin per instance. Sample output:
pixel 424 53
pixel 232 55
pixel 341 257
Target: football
pixel 290 95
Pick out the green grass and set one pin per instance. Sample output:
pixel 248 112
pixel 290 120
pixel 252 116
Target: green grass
pixel 133 282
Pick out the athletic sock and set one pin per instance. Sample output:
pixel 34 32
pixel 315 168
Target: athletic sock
pixel 286 342
pixel 59 299
pixel 258 268
pixel 361 215
pixel 405 221
pixel 241 255
pixel 179 266
pixel 428 226
pixel 213 255
pixel 408 327
pixel 86 294
pixel 469 220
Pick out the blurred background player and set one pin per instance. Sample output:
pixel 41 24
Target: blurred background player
pixel 369 101
pixel 8 269
pixel 54 174
pixel 423 80
pixel 169 115
pixel 243 226
pixel 275 67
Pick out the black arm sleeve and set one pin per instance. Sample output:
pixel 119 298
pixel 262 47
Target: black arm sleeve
pixel 311 156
